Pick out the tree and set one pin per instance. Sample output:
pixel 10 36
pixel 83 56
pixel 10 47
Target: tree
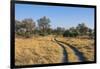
pixel 29 25
pixel 44 25
pixel 82 29
pixel 73 32
pixel 67 33
pixel 91 33
pixel 72 29
pixel 59 30
pixel 17 25
pixel 25 27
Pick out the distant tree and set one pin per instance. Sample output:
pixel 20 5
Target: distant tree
pixel 91 33
pixel 54 31
pixel 49 31
pixel 29 26
pixel 59 30
pixel 17 25
pixel 72 29
pixel 67 33
pixel 25 27
pixel 82 29
pixel 44 25
pixel 73 32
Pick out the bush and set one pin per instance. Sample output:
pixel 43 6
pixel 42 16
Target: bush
pixel 67 33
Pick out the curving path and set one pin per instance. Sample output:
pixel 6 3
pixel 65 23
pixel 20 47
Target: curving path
pixel 65 54
pixel 70 53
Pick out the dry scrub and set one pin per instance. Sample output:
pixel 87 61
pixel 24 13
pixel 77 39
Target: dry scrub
pixel 44 50
pixel 37 50
pixel 85 46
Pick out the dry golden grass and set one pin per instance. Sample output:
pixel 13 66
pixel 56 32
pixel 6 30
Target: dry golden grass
pixel 86 46
pixel 45 50
pixel 37 50
pixel 72 57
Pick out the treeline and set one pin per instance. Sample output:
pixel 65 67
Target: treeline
pixel 27 28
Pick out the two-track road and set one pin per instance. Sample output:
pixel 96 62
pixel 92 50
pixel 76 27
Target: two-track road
pixel 70 53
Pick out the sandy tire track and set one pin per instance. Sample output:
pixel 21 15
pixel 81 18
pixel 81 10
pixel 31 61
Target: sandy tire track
pixel 65 54
pixel 70 53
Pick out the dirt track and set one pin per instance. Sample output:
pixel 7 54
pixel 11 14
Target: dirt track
pixel 70 53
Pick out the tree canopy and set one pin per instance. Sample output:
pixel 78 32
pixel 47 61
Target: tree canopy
pixel 27 28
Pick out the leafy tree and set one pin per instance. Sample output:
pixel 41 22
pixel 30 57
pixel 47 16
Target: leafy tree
pixel 60 30
pixel 91 33
pixel 67 33
pixel 25 27
pixel 82 29
pixel 44 25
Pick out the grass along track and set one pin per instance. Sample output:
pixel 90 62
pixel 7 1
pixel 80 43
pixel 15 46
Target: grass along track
pixel 65 54
pixel 41 50
pixel 71 54
pixel 47 50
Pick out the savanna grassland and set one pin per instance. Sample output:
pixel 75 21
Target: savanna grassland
pixel 37 50
pixel 84 46
pixel 48 49
pixel 42 44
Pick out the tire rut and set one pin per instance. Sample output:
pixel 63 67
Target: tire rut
pixel 78 56
pixel 65 54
